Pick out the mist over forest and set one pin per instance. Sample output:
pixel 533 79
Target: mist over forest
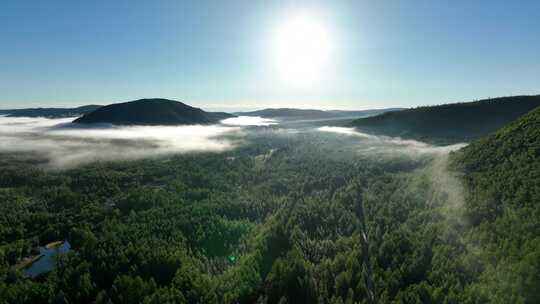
pixel 253 210
pixel 63 145
pixel 269 152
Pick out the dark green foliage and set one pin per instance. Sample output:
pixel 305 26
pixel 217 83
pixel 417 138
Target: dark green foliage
pixel 151 112
pixel 291 278
pixel 450 123
pixel 293 212
pixel 50 112
pixel 291 113
pixel 502 172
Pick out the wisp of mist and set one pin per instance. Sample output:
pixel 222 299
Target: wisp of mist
pixel 385 144
pixel 249 121
pixel 445 187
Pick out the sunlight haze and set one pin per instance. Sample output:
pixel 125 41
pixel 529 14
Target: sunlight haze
pixel 269 151
pixel 349 55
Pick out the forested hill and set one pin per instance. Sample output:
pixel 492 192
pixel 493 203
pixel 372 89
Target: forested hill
pixel 50 112
pixel 502 175
pixel 450 123
pixel 151 112
pixel 291 113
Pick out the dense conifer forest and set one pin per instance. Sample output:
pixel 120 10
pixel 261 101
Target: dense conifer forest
pixel 502 174
pixel 269 152
pixel 285 218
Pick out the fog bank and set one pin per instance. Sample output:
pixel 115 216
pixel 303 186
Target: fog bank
pixel 66 145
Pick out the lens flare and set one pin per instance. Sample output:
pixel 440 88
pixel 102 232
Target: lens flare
pixel 302 48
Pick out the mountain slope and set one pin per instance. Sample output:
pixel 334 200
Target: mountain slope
pixel 151 112
pixel 450 123
pixel 364 113
pixel 502 175
pixel 50 112
pixel 291 113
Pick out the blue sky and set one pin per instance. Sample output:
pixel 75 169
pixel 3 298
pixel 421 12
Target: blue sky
pixel 217 54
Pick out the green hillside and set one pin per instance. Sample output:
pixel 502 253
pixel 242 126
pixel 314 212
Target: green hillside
pixel 151 112
pixel 502 175
pixel 300 218
pixel 450 123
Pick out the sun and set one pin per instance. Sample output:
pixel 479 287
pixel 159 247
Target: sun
pixel 302 49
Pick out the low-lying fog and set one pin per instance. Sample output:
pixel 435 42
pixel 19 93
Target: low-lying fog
pixel 65 145
pixel 392 144
pixel 249 121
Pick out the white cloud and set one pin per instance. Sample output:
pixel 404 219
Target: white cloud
pixel 249 121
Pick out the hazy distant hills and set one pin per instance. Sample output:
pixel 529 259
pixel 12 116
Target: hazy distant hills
pixel 450 123
pixel 50 112
pixel 294 114
pixel 158 111
pixel 155 111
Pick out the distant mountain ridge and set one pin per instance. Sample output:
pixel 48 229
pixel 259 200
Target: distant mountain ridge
pixel 450 123
pixel 50 112
pixel 292 113
pixel 153 111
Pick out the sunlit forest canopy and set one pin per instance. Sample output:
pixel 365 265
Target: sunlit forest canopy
pixel 269 152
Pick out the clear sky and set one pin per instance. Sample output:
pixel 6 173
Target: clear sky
pixel 220 54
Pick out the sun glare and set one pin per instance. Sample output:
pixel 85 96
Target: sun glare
pixel 302 48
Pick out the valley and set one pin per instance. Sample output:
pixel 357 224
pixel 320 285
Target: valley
pixel 309 213
pixel 269 152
